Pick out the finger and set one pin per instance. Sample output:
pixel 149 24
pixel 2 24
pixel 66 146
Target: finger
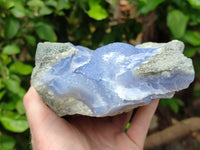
pixel 47 129
pixel 140 123
pixel 38 113
pixel 122 120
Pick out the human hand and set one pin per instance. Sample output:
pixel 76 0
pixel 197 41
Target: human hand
pixel 50 132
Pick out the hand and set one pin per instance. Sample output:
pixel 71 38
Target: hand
pixel 50 132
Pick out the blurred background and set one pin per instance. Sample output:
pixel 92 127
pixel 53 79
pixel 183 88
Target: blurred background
pixel 94 23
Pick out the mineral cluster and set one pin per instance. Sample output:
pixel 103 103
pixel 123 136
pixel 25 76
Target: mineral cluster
pixel 111 79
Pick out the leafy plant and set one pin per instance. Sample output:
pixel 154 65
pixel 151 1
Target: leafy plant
pixel 86 22
pixel 174 104
pixel 12 113
pixel 7 142
pixel 146 6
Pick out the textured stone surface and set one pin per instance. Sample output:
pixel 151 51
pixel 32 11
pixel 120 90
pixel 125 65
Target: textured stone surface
pixel 112 79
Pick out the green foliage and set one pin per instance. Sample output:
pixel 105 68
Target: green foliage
pixel 197 91
pixel 177 22
pixel 146 6
pixel 190 51
pixel 195 3
pixel 14 122
pixel 20 68
pixel 46 32
pixel 12 26
pixel 192 37
pixel 182 20
pixel 173 103
pixel 96 11
pixel 10 49
pixel 7 142
pixel 86 22
pixel 127 126
pixel 184 24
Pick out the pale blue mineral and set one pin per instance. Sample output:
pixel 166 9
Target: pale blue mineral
pixel 111 79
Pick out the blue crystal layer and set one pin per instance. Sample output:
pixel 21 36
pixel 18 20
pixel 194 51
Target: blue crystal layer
pixel 104 80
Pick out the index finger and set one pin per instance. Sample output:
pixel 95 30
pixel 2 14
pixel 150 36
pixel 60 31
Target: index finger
pixel 140 123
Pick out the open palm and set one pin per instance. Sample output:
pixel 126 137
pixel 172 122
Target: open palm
pixel 50 132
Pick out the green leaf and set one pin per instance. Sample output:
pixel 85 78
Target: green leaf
pixel 165 102
pixel 194 3
pixel 46 32
pixel 11 49
pixel 96 11
pixel 13 86
pixel 112 1
pixel 144 1
pixel 179 102
pixel 174 103
pixel 11 105
pixel 2 93
pixel 1 84
pixel 192 37
pixel 18 11
pixel 194 19
pixel 196 63
pixel 51 3
pixel 12 26
pixel 20 68
pixel 31 39
pixel 15 77
pixel 177 23
pixel 6 142
pixel 35 3
pixel 148 5
pixel 20 107
pixel 13 101
pixel 174 106
pixel 190 51
pixel 182 5
pixel 45 11
pixel 83 4
pixel 6 59
pixel 197 91
pixel 127 126
pixel 63 4
pixel 14 122
pixel 8 4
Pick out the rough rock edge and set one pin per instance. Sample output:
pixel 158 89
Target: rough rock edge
pixel 168 58
pixel 47 51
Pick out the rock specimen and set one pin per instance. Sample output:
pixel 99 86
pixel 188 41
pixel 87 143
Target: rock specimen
pixel 110 80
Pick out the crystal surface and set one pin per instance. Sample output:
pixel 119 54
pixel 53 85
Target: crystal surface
pixel 111 79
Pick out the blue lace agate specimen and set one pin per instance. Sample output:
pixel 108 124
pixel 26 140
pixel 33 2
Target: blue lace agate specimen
pixel 110 80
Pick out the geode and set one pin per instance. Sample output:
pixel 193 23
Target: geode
pixel 111 79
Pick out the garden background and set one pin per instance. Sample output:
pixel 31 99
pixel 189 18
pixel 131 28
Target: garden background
pixel 93 23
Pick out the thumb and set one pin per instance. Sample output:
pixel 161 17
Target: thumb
pixel 39 115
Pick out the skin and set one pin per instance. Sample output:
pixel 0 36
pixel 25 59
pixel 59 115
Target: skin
pixel 50 132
